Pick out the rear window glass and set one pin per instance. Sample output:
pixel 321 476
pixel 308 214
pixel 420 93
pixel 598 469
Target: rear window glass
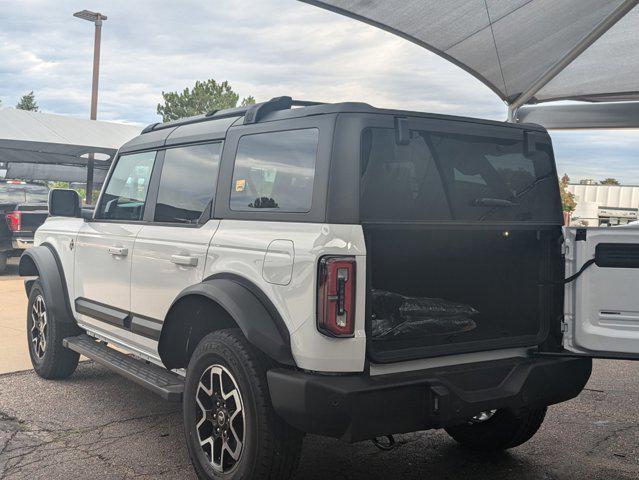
pixel 442 176
pixel 275 171
pixel 23 194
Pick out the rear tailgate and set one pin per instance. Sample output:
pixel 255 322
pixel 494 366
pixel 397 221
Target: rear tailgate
pixel 32 216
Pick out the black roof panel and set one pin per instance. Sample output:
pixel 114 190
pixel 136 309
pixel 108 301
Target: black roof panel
pixel 280 108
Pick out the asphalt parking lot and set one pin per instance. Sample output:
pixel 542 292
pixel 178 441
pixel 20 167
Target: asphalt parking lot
pixel 96 425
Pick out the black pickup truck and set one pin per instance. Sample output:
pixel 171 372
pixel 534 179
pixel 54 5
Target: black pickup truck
pixel 23 208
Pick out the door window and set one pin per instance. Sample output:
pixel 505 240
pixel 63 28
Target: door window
pixel 187 184
pixel 275 171
pixel 125 195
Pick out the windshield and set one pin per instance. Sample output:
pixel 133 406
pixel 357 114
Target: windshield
pixel 442 176
pixel 23 194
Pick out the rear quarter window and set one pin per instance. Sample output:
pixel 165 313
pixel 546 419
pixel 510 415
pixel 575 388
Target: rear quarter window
pixel 275 171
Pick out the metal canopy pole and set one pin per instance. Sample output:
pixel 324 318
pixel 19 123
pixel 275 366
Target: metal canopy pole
pixel 577 50
pixel 97 19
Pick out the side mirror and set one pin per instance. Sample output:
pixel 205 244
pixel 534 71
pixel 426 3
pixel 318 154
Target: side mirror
pixel 64 203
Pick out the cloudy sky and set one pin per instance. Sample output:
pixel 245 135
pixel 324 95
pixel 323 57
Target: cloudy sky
pixel 264 48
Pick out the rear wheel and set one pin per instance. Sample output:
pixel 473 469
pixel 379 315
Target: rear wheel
pixel 497 429
pixel 45 334
pixel 232 431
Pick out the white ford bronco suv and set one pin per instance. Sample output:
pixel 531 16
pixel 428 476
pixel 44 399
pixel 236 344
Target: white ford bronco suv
pixel 334 269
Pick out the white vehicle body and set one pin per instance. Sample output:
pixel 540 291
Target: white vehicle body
pixel 280 257
pixel 601 311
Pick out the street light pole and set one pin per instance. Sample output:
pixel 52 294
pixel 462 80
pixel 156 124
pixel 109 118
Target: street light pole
pixel 97 19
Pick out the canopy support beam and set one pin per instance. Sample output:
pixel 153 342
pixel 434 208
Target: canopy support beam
pixel 605 25
pixel 582 115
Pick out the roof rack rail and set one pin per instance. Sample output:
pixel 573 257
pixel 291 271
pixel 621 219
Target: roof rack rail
pixel 256 112
pixel 252 113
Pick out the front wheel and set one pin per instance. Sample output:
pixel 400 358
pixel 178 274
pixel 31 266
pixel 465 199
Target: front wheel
pixel 232 431
pixel 45 332
pixel 497 429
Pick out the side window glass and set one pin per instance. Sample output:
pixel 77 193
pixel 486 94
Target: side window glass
pixel 275 171
pixel 187 184
pixel 124 196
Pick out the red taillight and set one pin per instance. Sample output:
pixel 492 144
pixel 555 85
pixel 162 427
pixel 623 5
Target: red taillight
pixel 336 296
pixel 14 220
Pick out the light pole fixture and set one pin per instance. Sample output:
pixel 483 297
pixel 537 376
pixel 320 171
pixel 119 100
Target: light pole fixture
pixel 97 19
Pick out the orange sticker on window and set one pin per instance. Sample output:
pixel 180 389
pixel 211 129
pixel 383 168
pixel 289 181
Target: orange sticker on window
pixel 240 185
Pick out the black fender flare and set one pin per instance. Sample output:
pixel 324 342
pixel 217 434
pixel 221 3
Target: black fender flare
pixel 44 262
pixel 251 310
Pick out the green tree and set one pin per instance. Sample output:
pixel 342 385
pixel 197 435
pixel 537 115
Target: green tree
pixel 205 97
pixel 568 202
pixel 610 181
pixel 81 191
pixel 27 102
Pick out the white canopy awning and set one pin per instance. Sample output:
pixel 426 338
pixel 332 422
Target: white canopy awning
pixel 47 139
pixel 526 51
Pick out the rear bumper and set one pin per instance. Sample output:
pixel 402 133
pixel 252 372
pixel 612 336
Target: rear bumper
pixel 359 407
pixel 22 243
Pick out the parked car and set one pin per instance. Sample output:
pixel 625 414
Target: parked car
pixel 334 269
pixel 23 208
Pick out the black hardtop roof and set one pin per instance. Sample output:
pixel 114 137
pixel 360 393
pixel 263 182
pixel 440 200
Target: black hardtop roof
pixel 279 108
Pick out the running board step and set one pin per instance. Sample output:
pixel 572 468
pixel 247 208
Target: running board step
pixel 168 385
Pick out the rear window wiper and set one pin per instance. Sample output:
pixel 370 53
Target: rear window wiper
pixel 492 202
pixel 521 193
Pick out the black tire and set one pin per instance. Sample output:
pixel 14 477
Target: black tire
pixel 53 361
pixel 270 448
pixel 3 263
pixel 502 431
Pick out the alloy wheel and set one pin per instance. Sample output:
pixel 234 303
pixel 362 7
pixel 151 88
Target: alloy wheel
pixel 39 326
pixel 220 418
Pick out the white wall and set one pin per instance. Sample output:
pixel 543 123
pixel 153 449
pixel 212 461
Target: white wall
pixel 616 196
